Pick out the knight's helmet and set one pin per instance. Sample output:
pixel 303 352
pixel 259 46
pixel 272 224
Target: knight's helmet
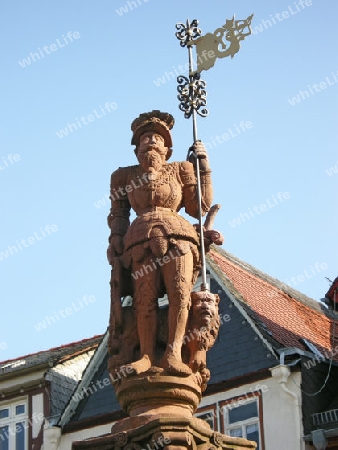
pixel 157 121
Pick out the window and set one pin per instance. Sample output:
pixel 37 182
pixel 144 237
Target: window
pixel 241 419
pixel 208 414
pixel 13 426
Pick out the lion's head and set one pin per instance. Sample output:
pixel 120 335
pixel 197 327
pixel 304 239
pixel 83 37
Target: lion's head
pixel 204 318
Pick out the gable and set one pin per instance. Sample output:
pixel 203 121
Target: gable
pixel 238 351
pixel 284 313
pixel 64 378
pixel 98 397
pixel 259 318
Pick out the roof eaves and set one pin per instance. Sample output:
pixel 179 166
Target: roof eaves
pixel 10 372
pixel 46 357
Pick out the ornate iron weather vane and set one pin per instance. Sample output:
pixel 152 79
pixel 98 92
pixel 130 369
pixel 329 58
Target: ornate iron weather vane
pixel 191 90
pixel 192 97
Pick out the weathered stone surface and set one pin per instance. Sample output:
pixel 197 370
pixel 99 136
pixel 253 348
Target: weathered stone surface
pixel 163 432
pixel 158 252
pixel 156 393
pixel 158 356
pixel 200 334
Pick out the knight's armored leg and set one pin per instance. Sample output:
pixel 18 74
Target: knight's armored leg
pixel 178 275
pixel 145 302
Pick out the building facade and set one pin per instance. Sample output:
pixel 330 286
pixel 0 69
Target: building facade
pixel 274 373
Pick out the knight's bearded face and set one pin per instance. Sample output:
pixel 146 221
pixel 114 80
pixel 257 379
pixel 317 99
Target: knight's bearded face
pixel 151 152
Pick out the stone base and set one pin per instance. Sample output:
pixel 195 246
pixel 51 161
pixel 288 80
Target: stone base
pixel 159 393
pixel 163 432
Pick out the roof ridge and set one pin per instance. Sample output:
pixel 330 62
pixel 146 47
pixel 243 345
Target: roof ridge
pixel 253 271
pixel 55 349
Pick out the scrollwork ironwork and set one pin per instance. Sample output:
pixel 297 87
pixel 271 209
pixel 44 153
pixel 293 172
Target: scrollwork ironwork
pixel 192 95
pixel 187 32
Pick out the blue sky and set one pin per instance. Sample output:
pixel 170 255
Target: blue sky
pixel 276 180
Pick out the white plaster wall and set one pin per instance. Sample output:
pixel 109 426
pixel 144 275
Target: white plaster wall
pixel 282 415
pixel 37 414
pixel 14 383
pixel 282 424
pixel 67 439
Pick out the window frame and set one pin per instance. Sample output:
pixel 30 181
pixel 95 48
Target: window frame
pixel 14 419
pixel 243 400
pixel 206 410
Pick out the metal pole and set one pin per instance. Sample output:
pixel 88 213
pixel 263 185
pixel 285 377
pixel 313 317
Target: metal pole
pixel 204 285
pixel 192 96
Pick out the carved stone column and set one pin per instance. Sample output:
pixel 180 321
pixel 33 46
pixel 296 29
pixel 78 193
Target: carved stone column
pixel 161 405
pixel 159 393
pixel 163 432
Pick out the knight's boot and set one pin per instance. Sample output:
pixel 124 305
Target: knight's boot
pixel 172 360
pixel 137 367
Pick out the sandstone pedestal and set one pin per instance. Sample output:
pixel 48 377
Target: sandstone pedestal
pixel 165 432
pixel 159 393
pixel 161 408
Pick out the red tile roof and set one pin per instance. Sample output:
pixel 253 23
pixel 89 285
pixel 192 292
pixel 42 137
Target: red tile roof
pixel 286 314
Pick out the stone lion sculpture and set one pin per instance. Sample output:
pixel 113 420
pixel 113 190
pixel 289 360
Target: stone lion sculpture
pixel 202 330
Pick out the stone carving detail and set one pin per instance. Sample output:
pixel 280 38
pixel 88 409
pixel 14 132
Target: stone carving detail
pixel 165 433
pixel 158 352
pixel 202 330
pixel 157 254
pixel 121 438
pixel 200 335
